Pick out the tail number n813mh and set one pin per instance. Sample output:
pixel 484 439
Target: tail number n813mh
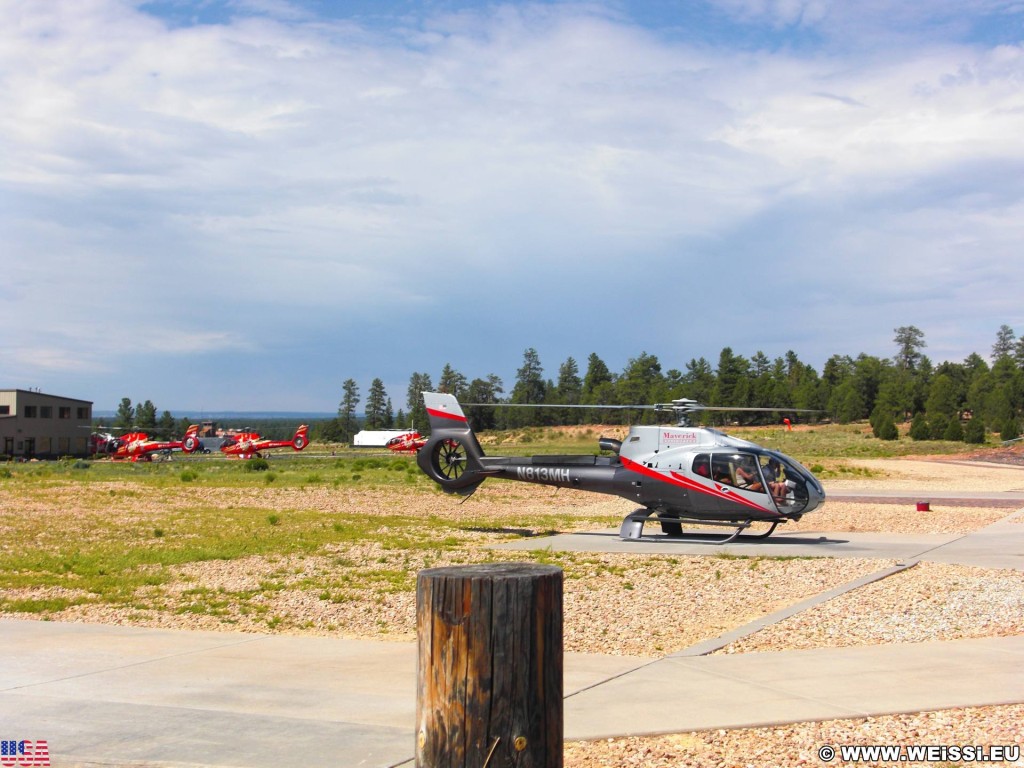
pixel 542 474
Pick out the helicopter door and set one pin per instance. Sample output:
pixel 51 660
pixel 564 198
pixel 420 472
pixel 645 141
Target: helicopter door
pixel 731 474
pixel 739 470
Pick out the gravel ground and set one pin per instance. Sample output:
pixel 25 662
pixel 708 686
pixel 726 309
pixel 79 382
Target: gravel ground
pixel 632 605
pixel 928 602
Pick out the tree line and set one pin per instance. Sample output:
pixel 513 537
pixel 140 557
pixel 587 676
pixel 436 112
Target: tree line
pixel 952 401
pixel 142 417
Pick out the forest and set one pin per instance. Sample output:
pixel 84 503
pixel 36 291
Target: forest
pixel 949 401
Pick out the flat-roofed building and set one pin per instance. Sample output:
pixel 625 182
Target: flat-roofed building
pixel 37 425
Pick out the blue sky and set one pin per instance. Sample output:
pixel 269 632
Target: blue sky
pixel 240 205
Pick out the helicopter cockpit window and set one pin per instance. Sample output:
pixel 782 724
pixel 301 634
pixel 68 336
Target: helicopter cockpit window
pixel 702 465
pixel 736 469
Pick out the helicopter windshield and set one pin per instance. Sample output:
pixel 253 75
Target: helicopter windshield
pixel 791 486
pixel 762 471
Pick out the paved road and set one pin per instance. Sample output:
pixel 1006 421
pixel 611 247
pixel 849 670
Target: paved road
pixel 102 695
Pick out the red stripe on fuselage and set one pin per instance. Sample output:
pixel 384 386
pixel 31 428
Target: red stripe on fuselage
pixel 683 481
pixel 446 415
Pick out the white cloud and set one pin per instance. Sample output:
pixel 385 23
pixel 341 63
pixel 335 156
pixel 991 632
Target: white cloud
pixel 212 189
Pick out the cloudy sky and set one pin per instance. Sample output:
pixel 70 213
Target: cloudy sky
pixel 239 204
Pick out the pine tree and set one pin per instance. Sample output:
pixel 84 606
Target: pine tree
pixel 377 406
pixel 486 390
pixel 418 384
pixel 530 388
pixel 125 416
pixel 348 424
pixel 1004 343
pixel 452 382
pixel 145 416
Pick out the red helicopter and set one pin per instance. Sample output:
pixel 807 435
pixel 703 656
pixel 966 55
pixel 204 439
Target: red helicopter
pixel 137 445
pixel 410 442
pixel 245 445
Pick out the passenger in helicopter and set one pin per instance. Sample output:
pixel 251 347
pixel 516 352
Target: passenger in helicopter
pixel 772 473
pixel 747 476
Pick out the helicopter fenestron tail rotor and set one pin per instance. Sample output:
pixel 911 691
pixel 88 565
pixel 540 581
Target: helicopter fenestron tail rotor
pixel 451 457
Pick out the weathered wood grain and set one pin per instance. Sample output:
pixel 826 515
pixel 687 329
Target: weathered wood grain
pixel 489 674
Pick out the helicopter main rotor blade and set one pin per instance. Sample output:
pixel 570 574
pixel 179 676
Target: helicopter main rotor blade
pixel 555 404
pixel 736 408
pixel 654 407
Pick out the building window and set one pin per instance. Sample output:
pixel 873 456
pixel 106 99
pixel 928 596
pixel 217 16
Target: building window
pixel 5 410
pixel 31 411
pixel 64 412
pixel 46 411
pixel 83 412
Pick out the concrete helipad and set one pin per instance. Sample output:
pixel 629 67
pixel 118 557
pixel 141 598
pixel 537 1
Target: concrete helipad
pixel 1000 545
pixel 106 695
pixel 123 696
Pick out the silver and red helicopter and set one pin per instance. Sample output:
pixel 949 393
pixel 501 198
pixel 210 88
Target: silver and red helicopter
pixel 678 474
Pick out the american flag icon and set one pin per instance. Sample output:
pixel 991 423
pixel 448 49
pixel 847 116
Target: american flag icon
pixel 23 752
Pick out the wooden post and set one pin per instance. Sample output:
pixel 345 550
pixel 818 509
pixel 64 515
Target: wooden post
pixel 489 674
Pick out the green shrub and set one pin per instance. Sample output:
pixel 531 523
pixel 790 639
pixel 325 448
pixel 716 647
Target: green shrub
pixel 257 464
pixel 1010 430
pixel 939 424
pixel 954 431
pixel 919 429
pixel 975 432
pixel 886 428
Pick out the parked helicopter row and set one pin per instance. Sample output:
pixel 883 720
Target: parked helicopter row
pixel 138 446
pixel 679 475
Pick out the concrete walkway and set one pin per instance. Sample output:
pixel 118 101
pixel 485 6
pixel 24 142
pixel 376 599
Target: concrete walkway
pixel 103 695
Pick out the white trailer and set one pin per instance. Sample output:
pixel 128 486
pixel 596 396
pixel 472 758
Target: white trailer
pixel 376 438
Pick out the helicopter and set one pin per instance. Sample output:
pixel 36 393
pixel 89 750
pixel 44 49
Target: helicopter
pixel 136 446
pixel 409 442
pixel 678 474
pixel 248 444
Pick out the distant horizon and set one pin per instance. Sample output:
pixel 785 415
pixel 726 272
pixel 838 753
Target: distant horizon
pixel 182 413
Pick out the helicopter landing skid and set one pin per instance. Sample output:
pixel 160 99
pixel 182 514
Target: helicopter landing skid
pixel 632 528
